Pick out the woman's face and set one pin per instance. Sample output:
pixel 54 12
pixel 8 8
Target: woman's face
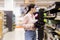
pixel 34 10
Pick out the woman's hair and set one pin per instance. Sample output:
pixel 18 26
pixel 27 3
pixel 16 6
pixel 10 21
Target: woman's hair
pixel 30 6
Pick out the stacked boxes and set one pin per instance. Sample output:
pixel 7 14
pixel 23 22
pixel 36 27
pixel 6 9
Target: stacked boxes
pixel 1 23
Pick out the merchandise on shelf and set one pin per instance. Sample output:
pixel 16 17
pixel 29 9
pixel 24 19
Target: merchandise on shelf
pixel 1 23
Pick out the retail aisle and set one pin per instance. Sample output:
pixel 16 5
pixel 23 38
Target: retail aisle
pixel 18 34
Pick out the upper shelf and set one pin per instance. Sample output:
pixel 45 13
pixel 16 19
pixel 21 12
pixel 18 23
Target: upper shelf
pixel 57 18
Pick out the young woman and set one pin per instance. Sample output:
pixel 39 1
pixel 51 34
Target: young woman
pixel 28 23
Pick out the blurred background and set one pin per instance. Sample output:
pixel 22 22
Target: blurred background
pixel 12 12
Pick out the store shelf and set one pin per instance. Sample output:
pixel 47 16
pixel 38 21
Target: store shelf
pixel 58 18
pixel 49 17
pixel 58 32
pixel 49 33
pixel 50 26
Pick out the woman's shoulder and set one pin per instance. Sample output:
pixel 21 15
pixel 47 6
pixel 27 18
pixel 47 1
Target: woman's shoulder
pixel 26 16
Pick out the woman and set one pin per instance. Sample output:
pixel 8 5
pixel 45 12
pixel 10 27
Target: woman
pixel 28 23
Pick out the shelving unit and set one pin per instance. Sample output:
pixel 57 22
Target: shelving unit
pixel 1 24
pixel 5 29
pixel 52 32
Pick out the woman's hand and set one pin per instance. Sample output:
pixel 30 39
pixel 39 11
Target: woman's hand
pixel 36 15
pixel 32 25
